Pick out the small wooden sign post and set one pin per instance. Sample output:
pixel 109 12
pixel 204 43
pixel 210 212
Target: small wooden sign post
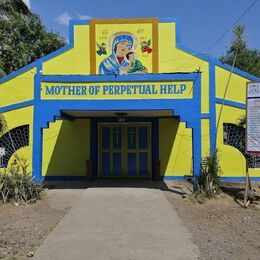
pixel 247 186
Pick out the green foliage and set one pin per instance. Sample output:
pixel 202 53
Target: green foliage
pixel 13 6
pixel 241 121
pixel 3 125
pixel 16 184
pixel 23 39
pixel 208 182
pixel 246 59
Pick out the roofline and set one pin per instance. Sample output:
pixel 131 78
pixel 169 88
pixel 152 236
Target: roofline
pixel 179 45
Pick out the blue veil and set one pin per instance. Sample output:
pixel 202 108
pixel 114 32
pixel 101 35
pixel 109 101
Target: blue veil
pixel 110 64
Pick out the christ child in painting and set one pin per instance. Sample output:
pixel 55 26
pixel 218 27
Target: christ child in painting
pixel 135 65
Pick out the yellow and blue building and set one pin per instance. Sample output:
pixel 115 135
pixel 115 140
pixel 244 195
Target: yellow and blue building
pixel 123 95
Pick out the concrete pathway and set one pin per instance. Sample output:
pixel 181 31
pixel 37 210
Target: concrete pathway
pixel 118 223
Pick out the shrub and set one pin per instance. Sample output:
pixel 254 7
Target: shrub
pixel 208 181
pixel 17 184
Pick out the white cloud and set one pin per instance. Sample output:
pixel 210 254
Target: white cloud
pixel 84 17
pixel 63 19
pixel 27 2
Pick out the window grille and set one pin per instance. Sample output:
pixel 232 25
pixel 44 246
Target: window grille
pixel 12 141
pixel 234 135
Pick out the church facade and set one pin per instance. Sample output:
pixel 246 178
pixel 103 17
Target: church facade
pixel 124 99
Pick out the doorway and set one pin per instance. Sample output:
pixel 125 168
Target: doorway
pixel 124 150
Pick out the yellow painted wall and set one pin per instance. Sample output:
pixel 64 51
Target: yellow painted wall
pixel 74 61
pixel 175 148
pixel 66 148
pixel 18 89
pixel 172 59
pixel 236 90
pixel 232 161
pixel 175 139
pixel 17 118
pixel 205 137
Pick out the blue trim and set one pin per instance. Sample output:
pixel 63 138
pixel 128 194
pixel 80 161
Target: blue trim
pixel 168 19
pixel 123 78
pixel 230 103
pixel 37 133
pixel 17 106
pixel 235 70
pixel 212 107
pixel 238 179
pixel 65 48
pixel 38 62
pixel 165 178
pixel 18 72
pixel 195 124
pixel 78 22
pixel 56 53
pixel 205 116
pixel 175 178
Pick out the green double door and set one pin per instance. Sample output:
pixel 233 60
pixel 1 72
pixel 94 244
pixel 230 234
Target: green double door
pixel 125 150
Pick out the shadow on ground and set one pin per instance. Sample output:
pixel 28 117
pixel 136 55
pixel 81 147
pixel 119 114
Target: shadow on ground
pixel 236 191
pixel 180 188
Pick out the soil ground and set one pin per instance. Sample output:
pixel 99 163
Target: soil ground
pixel 220 227
pixel 23 228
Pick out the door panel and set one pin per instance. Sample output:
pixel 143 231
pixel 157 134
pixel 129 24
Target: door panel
pixel 143 163
pixel 117 164
pixel 117 137
pixel 106 137
pixel 143 137
pixel 125 150
pixel 132 167
pixel 131 137
pixel 105 163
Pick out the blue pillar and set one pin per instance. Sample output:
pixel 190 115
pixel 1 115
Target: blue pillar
pixel 37 129
pixel 37 148
pixel 212 106
pixel 196 148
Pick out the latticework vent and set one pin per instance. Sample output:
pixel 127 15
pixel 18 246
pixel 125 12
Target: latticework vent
pixel 12 141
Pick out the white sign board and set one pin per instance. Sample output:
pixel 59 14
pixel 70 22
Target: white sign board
pixel 253 118
pixel 2 151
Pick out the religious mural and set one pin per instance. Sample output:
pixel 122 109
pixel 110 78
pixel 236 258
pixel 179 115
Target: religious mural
pixel 122 52
pixel 123 56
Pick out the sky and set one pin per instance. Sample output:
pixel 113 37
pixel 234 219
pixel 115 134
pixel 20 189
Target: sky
pixel 202 22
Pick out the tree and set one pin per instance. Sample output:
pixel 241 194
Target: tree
pixel 23 38
pixel 10 7
pixel 245 59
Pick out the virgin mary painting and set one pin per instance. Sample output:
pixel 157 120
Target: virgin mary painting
pixel 117 63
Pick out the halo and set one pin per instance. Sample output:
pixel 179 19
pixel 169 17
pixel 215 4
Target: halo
pixel 111 39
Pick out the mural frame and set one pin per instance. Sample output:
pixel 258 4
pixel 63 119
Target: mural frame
pixel 94 22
